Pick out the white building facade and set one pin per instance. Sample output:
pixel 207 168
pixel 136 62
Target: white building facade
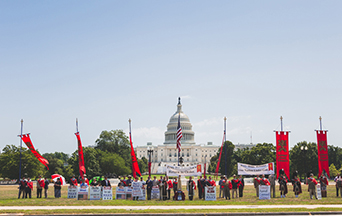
pixel 167 153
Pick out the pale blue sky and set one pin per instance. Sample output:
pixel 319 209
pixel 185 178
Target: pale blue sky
pixel 107 61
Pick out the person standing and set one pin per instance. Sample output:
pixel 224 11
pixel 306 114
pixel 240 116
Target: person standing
pixel 297 187
pixel 29 187
pixel 227 188
pixel 338 184
pixel 105 182
pixel 174 186
pixel 221 185
pixel 256 183
pixel 212 182
pixel 149 184
pixel 191 187
pixel 40 186
pixel 235 186
pixel 312 186
pixel 241 187
pixel 85 179
pixel 199 186
pixel 272 179
pixel 22 187
pixel 46 187
pixel 169 186
pixel 58 187
pixel 282 185
pixel 136 197
pixel 324 183
pixel 129 181
pixel 73 181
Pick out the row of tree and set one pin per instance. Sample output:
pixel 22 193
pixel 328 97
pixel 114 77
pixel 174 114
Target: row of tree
pixel 110 156
pixel 302 161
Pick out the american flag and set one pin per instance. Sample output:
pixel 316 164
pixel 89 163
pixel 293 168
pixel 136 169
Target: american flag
pixel 179 134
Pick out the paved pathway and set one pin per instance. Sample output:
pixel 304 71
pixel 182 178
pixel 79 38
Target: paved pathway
pixel 168 207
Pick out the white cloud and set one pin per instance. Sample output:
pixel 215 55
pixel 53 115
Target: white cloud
pixel 152 134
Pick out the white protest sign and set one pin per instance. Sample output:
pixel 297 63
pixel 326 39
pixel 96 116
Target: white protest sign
pixel 136 189
pixel 210 193
pixel 319 192
pixel 155 193
pixel 95 193
pixel 82 193
pixel 107 193
pixel 120 193
pixel 72 192
pixel 183 171
pixel 143 196
pixel 129 192
pixel 248 169
pixel 264 192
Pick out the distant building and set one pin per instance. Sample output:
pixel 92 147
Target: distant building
pixel 243 146
pixel 167 153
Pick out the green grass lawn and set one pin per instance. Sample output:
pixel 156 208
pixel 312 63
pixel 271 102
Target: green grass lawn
pixel 9 194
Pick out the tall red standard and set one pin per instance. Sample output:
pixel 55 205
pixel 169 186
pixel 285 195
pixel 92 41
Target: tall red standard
pixel 135 166
pixel 224 138
pixel 322 147
pixel 27 140
pixel 81 166
pixel 283 161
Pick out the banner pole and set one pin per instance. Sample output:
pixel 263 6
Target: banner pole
pixel 77 125
pixel 21 142
pixel 225 140
pixel 320 123
pixel 281 123
pixel 130 139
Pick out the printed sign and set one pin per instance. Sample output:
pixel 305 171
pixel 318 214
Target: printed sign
pixel 155 193
pixel 107 193
pixel 143 196
pixel 264 192
pixel 120 193
pixel 82 193
pixel 95 193
pixel 247 169
pixel 183 171
pixel 210 193
pixel 137 191
pixel 72 192
pixel 319 192
pixel 129 192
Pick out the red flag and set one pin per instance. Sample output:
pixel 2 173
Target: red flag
pixel 135 166
pixel 27 140
pixel 219 160
pixel 283 161
pixel 81 166
pixel 322 147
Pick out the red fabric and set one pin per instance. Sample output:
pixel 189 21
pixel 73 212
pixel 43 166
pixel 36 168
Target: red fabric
pixel 86 181
pixel 27 140
pixel 230 185
pixel 41 183
pixel 283 161
pixel 74 182
pixel 313 180
pixel 219 160
pixel 212 183
pixel 266 181
pixel 30 184
pixel 169 184
pixel 325 180
pixel 257 179
pixel 81 166
pixel 135 166
pixel 322 147
pixel 149 168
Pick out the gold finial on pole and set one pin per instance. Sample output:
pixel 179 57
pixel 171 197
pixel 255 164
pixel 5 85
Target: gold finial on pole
pixel 320 122
pixel 225 118
pixel 22 120
pixel 129 120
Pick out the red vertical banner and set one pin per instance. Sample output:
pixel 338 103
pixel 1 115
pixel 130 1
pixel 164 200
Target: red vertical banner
pixel 80 155
pixel 283 159
pixel 27 140
pixel 322 147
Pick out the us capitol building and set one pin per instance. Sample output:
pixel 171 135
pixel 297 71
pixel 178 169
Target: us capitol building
pixel 167 154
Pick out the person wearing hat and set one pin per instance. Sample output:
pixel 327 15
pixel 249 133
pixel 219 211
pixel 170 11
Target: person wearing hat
pixel 40 186
pixel 105 182
pixel 297 187
pixel 324 183
pixel 200 187
pixel 227 187
pixel 46 187
pixel 221 185
pixel 129 181
pixel 242 185
pixel 85 179
pixel 311 181
pixel 235 186
pixel 282 185
pixel 73 181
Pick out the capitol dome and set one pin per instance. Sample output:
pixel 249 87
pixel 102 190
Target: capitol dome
pixel 188 134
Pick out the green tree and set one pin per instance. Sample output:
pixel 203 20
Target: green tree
pixel 304 161
pixel 57 163
pixel 227 159
pixel 333 171
pixel 143 164
pixel 113 164
pixel 335 155
pixel 10 159
pixel 259 154
pixel 91 162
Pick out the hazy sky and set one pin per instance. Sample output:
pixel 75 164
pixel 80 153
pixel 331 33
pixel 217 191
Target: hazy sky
pixel 107 61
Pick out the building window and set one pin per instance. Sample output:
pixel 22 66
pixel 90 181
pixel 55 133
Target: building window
pixel 170 155
pixel 170 159
pixel 161 154
pixel 196 155
pixel 210 155
pixel 162 159
pixel 183 154
pixel 188 160
pixel 187 155
pixel 196 159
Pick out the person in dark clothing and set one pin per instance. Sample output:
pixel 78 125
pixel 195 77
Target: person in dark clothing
pixel 29 187
pixel 22 186
pixel 149 184
pixel 58 187
pixel 106 182
pixel 46 187
pixel 242 185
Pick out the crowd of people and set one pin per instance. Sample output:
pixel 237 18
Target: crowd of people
pixel 227 188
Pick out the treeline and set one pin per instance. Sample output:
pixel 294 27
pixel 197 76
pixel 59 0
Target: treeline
pixel 111 156
pixel 301 160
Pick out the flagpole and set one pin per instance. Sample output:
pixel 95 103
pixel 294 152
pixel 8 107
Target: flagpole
pixel 21 142
pixel 320 123
pixel 130 139
pixel 225 140
pixel 281 123
pixel 77 125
